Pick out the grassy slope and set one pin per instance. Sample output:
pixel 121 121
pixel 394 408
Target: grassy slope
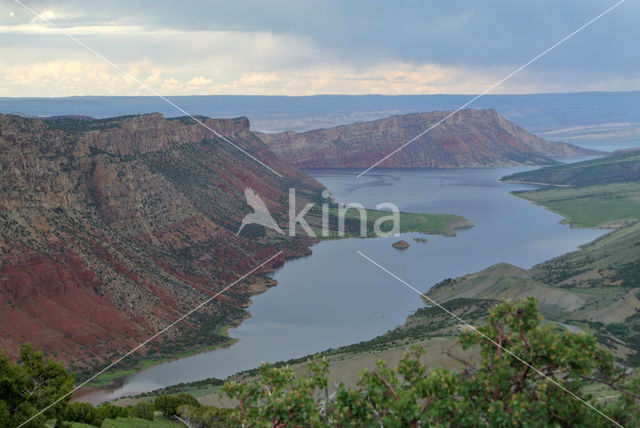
pixel 444 224
pixel 612 169
pixel 597 287
pixel 590 206
pixel 436 224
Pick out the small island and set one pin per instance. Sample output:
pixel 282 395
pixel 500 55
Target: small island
pixel 420 240
pixel 400 245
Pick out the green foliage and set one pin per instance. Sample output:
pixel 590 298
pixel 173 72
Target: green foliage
pixel 406 396
pixel 111 411
pixel 532 379
pixel 30 386
pixel 625 409
pixel 277 398
pixel 530 374
pixel 169 404
pixel 208 416
pixel 84 413
pixel 523 383
pixel 142 410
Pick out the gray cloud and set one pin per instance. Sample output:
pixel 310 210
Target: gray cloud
pixel 485 38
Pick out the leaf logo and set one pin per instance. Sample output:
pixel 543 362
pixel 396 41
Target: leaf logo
pixel 261 214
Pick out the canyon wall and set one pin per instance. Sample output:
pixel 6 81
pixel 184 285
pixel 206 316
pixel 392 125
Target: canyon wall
pixel 111 229
pixel 469 138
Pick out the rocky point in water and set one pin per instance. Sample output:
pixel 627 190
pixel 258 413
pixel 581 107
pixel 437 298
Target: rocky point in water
pixel 400 245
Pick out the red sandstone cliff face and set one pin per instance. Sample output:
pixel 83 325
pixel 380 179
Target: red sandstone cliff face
pixel 109 230
pixel 470 138
pixel 150 133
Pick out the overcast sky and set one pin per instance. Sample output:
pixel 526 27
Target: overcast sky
pixel 315 47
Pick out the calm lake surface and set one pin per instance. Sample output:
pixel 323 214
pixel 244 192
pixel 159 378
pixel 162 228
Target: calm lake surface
pixel 335 297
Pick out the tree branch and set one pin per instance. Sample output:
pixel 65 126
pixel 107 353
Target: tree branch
pixel 387 384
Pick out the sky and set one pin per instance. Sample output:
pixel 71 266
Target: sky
pixel 302 47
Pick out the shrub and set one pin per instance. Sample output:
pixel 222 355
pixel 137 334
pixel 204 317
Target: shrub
pixel 143 411
pixel 168 404
pixel 19 382
pixel 84 413
pixel 209 416
pixel 111 411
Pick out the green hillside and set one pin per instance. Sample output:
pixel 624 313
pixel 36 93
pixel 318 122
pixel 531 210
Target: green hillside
pixel 600 205
pixel 596 288
pixel 619 168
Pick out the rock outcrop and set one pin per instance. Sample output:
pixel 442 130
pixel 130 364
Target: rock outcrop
pixel 111 229
pixel 400 245
pixel 469 138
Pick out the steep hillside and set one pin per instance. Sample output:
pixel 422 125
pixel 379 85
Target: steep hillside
pixel 597 288
pixel 110 229
pixel 619 168
pixel 470 138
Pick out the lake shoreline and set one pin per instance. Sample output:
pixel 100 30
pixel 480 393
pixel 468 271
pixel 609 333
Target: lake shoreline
pixel 480 182
pixel 260 284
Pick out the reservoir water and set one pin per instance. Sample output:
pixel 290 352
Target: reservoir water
pixel 335 297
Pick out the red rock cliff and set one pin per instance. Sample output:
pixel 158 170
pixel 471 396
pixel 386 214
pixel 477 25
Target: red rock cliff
pixel 469 138
pixel 110 229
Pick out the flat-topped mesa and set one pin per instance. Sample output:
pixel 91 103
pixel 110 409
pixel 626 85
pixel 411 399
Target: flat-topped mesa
pixel 469 138
pixel 153 132
pixel 101 248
